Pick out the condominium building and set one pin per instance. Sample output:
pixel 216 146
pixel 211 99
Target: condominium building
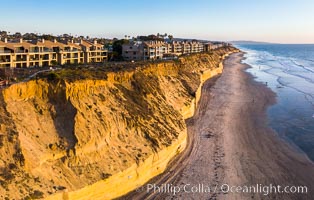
pixel 186 47
pixel 196 47
pixel 46 53
pixel 151 50
pixel 70 53
pixel 133 51
pixel 138 50
pixel 93 52
pixel 176 48
pixel 5 55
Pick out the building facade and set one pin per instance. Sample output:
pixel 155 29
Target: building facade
pixel 48 53
pixel 133 51
pixel 152 50
pixel 93 52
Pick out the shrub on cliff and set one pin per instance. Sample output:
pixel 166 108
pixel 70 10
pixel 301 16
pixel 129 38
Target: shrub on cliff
pixel 52 76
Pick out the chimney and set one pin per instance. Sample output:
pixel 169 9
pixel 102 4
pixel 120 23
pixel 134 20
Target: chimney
pixel 21 40
pixel 72 41
pixel 95 41
pixel 43 40
pixel 5 40
pixel 81 41
pixel 54 40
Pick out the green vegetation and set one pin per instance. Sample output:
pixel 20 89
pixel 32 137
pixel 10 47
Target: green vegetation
pixel 117 49
pixel 105 175
pixel 35 195
pixel 54 63
pixel 75 73
pixel 52 76
pixel 1 141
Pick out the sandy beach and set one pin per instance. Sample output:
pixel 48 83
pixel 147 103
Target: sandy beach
pixel 230 146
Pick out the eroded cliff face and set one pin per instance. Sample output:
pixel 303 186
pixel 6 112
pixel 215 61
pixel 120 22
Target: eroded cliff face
pixel 98 139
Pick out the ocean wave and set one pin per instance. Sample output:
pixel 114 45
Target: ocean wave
pixel 308 96
pixel 286 70
pixel 286 64
pixel 289 72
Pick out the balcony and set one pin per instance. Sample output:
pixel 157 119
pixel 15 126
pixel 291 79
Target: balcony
pixel 4 51
pixel 46 58
pixel 43 51
pixel 99 50
pixel 71 50
pixel 19 51
pixel 4 60
pixel 20 60
pixel 33 58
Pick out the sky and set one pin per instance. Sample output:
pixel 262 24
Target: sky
pixel 281 21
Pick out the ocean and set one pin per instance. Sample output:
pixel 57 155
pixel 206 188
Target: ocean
pixel 288 70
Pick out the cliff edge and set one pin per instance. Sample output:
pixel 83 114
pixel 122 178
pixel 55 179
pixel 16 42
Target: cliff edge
pixel 98 138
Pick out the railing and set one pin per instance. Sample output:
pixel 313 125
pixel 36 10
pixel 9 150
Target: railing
pixel 4 60
pixel 19 51
pixel 43 51
pixel 32 59
pixel 20 60
pixel 102 49
pixel 73 57
pixel 71 50
pixel 5 51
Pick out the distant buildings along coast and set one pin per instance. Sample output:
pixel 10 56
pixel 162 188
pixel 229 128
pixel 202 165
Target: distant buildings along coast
pixel 19 53
pixel 154 50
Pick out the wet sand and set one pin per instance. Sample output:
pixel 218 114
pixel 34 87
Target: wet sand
pixel 230 143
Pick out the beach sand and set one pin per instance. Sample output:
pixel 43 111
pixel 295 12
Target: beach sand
pixel 230 143
pixel 236 146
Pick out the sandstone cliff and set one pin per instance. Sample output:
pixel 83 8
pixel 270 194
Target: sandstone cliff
pixel 98 138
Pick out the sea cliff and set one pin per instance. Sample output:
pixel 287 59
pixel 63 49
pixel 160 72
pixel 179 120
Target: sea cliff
pixel 98 138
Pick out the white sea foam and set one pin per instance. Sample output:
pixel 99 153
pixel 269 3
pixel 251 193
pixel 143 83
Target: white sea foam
pixel 291 75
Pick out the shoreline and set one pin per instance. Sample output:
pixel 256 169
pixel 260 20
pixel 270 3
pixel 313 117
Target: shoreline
pixel 251 152
pixel 234 145
pixel 284 139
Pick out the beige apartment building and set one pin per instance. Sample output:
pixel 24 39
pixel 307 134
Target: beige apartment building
pixel 152 50
pixel 47 53
pixel 196 47
pixel 93 52
pixel 186 47
pixel 176 48
pixel 5 55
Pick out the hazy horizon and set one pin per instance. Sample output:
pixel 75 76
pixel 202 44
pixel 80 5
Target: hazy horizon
pixel 225 20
